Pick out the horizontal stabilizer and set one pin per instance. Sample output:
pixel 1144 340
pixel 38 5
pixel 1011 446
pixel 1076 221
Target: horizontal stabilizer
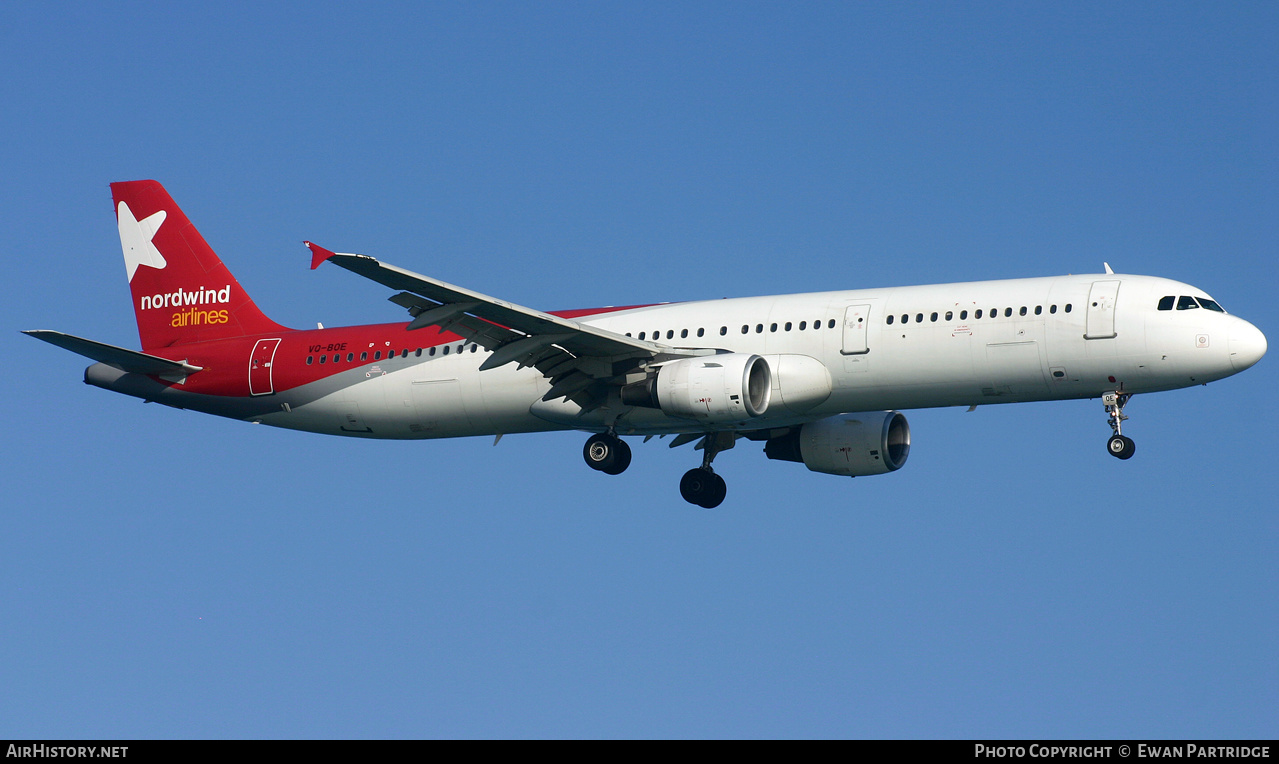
pixel 125 360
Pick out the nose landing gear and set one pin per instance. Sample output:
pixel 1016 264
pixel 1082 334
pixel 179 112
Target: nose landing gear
pixel 1119 446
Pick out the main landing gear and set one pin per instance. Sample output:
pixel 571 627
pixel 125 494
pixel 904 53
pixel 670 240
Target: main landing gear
pixel 1120 446
pixel 607 453
pixel 701 486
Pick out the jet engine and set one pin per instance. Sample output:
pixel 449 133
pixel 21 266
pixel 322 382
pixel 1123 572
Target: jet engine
pixel 800 382
pixel 869 443
pixel 725 388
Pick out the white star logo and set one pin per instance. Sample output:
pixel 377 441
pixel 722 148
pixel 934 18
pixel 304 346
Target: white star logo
pixel 135 239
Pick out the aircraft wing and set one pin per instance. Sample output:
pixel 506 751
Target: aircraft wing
pixel 125 360
pixel 574 356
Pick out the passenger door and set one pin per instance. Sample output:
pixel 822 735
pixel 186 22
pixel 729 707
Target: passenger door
pixel 260 360
pixel 1101 310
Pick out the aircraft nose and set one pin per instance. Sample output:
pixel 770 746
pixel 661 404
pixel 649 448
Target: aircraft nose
pixel 1247 345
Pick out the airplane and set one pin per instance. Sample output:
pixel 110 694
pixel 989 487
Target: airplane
pixel 820 379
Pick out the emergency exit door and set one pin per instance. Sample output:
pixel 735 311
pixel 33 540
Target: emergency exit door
pixel 856 319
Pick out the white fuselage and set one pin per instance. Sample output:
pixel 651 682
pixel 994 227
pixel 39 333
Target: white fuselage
pixel 946 345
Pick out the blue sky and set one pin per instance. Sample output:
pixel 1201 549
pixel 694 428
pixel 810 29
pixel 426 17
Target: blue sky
pixel 168 574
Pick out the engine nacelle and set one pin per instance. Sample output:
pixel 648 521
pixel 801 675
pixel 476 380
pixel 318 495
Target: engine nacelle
pixel 800 382
pixel 731 387
pixel 870 443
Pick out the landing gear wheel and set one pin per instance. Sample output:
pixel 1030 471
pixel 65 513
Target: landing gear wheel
pixel 1121 447
pixel 607 453
pixel 702 487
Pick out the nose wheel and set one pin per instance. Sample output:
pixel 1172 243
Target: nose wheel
pixel 607 453
pixel 1119 446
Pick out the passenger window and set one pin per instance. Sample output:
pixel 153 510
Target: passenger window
pixel 949 315
pixel 701 332
pixel 683 333
pixel 445 351
pixel 804 324
pixel 1067 307
pixel 670 334
pixel 963 315
pixel 337 357
pixel 643 335
pixel 1008 312
pixel 351 356
pixel 759 328
pixel 772 327
pixel 933 318
pixel 431 351
pixel 1187 303
pixel 323 358
pixel 364 356
pixel 1022 312
pixel 788 326
pixel 890 322
pixel 1039 310
pixel 919 318
pixel 377 356
pixel 831 325
pixel 745 329
pixel 310 359
pixel 723 330
pixel 977 314
pixel 1052 308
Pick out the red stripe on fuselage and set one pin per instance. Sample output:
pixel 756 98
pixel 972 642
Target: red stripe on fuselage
pixel 225 363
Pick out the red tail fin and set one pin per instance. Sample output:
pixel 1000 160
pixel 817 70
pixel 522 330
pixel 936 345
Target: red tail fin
pixel 181 290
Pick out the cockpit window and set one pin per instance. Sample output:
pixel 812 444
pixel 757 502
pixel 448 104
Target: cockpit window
pixel 1210 305
pixel 1185 302
pixel 1165 303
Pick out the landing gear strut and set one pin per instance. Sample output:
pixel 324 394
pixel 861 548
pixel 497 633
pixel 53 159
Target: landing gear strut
pixel 701 486
pixel 1120 446
pixel 607 453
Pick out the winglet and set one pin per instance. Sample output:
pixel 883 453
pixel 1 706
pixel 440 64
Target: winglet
pixel 318 254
